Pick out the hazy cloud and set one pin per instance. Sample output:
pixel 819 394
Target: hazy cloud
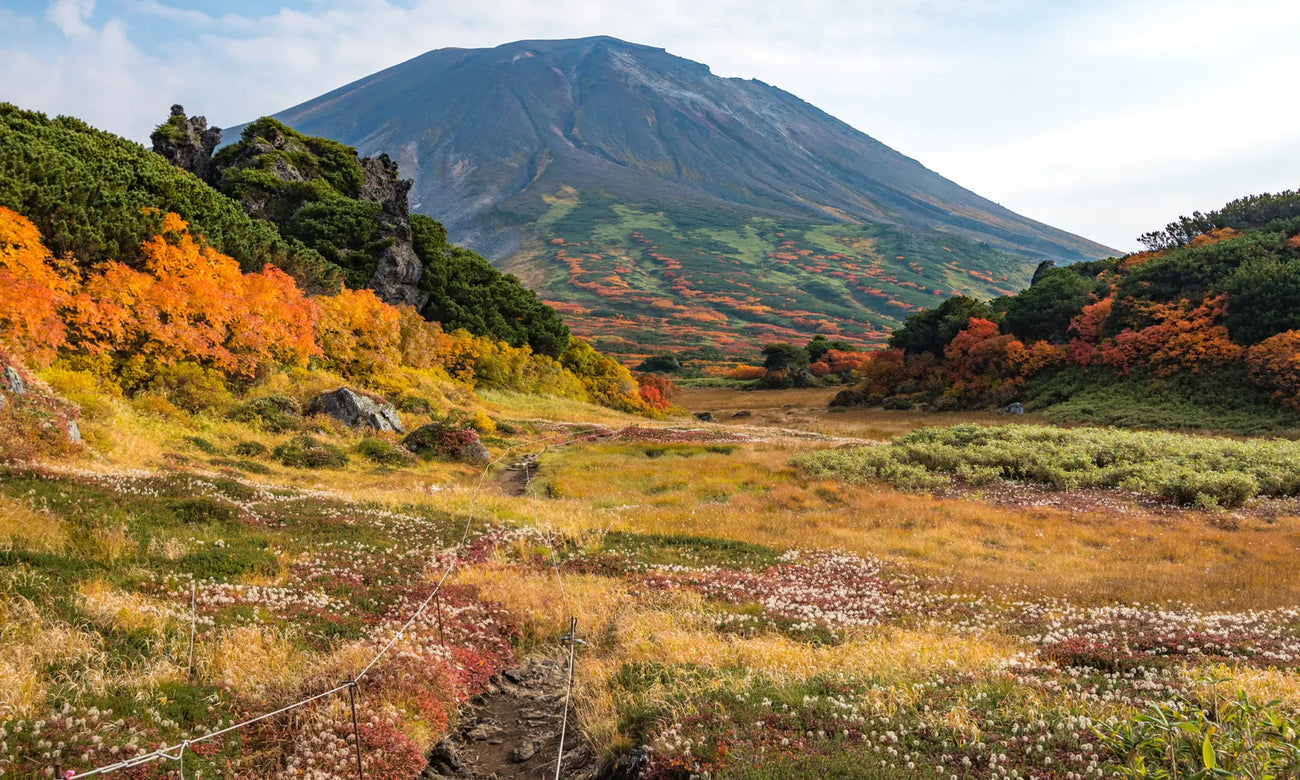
pixel 70 15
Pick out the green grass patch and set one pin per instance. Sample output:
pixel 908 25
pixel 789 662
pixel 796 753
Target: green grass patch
pixel 1206 472
pixel 690 550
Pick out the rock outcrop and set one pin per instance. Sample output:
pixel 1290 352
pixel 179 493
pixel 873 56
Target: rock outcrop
pixel 187 143
pixel 398 270
pixel 355 409
pixel 14 381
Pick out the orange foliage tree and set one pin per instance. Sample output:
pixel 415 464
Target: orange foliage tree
pixel 1274 364
pixel 358 333
pixel 980 363
pixel 191 304
pixel 32 289
pixel 658 392
pixel 839 362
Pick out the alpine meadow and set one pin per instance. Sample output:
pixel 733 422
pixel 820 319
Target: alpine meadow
pixel 561 409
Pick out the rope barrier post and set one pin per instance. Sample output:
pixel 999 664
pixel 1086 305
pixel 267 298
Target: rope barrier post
pixel 438 601
pixel 193 620
pixel 573 641
pixel 356 731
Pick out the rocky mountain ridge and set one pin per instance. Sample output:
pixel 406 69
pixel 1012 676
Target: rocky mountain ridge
pixel 188 143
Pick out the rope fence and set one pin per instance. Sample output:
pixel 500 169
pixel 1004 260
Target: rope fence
pixel 177 752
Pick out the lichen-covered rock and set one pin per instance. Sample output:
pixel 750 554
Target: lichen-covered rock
pixel 14 381
pixel 187 143
pixel 355 409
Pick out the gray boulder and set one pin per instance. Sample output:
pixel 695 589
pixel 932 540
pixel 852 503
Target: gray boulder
pixel 15 381
pixel 354 409
pixel 1012 408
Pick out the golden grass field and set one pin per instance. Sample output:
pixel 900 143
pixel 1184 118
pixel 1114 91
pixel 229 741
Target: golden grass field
pixel 743 618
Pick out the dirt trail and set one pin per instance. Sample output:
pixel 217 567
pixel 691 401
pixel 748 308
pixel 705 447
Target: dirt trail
pixel 512 731
pixel 516 478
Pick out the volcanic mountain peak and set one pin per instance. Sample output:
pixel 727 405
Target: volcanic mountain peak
pixel 600 138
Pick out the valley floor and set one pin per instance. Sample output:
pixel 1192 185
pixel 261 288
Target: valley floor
pixel 741 615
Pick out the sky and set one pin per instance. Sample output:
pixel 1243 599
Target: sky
pixel 1104 118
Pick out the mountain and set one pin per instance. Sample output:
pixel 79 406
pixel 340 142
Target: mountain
pixel 658 203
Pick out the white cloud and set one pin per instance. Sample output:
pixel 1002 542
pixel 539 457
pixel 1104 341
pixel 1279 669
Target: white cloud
pixel 1103 117
pixel 70 15
pixel 172 13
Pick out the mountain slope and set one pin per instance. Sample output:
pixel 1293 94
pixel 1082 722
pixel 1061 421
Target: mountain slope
pixel 494 136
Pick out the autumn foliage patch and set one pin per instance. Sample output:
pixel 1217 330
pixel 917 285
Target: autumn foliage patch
pixel 189 308
pixel 1216 305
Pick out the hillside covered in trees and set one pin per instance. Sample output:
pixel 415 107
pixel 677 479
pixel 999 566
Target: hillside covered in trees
pixel 1202 329
pixel 143 280
pixel 308 206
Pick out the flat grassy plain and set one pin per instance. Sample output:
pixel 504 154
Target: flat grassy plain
pixel 744 615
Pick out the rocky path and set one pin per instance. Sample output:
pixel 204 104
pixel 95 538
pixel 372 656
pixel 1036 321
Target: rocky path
pixel 512 731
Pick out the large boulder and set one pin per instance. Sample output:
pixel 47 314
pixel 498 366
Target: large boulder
pixel 352 408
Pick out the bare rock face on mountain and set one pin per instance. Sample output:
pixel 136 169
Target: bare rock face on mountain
pixel 398 270
pixel 187 142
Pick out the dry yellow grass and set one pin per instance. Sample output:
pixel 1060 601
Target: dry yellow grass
pixel 28 644
pixel 808 409
pixel 260 662
pixel 121 610
pixel 752 495
pixel 22 527
pixel 622 628
pixel 1261 685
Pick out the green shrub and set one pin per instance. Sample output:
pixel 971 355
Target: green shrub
pixel 384 452
pixel 250 449
pixel 218 561
pixel 1232 738
pixel 274 413
pixel 201 509
pixel 191 387
pixel 414 404
pixel 1209 473
pixel 203 445
pixel 446 438
pixel 306 452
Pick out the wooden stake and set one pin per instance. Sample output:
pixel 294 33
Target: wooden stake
pixel 356 731
pixel 438 598
pixel 193 620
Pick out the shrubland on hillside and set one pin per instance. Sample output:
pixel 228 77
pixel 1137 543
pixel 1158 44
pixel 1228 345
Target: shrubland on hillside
pixel 1200 330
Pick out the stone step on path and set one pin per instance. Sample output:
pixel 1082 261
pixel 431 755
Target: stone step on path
pixel 512 731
